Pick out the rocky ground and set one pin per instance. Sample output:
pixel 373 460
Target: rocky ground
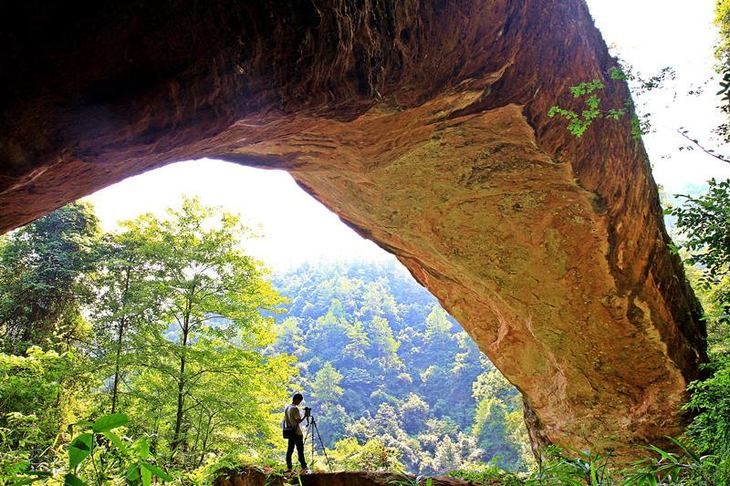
pixel 256 477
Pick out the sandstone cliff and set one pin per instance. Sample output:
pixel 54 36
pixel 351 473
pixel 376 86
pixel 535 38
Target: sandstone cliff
pixel 423 124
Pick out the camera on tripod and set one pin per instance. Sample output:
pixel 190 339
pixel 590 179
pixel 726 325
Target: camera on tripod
pixel 313 433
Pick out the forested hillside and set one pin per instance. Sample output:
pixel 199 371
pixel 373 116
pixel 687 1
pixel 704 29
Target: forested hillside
pixel 379 359
pixel 165 344
pixel 164 350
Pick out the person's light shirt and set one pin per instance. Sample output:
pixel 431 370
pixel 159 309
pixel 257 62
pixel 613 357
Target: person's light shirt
pixel 293 418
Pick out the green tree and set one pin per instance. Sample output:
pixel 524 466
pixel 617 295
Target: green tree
pixel 40 395
pixel 407 369
pixel 125 301
pixel 384 345
pixel 326 384
pixel 710 402
pixel 413 413
pixel 374 455
pixel 44 278
pixel 722 20
pixel 45 271
pixel 387 421
pixel 179 322
pixel 209 297
pixel 290 338
pixel 438 326
pixel 447 457
pixel 704 223
pixel 492 384
pixel 492 430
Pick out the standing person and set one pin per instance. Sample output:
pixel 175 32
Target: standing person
pixel 293 431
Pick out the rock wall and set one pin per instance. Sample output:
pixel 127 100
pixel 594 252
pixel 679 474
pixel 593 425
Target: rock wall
pixel 423 124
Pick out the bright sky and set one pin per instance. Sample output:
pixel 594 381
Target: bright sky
pixel 649 34
pixel 294 226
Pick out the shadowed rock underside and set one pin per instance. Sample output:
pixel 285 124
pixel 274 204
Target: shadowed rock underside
pixel 421 123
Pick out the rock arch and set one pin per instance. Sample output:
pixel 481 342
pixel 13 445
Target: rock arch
pixel 423 124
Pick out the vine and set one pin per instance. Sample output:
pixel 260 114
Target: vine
pixel 579 122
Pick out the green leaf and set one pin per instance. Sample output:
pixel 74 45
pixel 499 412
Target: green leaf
pixel 84 424
pixel 617 74
pixel 17 481
pixel 686 450
pixel 79 450
pixel 133 473
pixel 72 480
pixel 157 471
pixel 111 421
pixel 142 447
pixel 115 440
pixel 146 475
pixel 39 474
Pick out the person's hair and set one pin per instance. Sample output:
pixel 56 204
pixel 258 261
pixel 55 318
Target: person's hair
pixel 297 396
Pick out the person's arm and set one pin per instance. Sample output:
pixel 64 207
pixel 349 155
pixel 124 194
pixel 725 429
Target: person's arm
pixel 296 416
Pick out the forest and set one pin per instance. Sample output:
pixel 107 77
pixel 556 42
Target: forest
pixel 127 324
pixel 382 363
pixel 162 350
pixel 169 324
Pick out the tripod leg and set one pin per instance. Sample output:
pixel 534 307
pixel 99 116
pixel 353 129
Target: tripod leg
pixel 321 443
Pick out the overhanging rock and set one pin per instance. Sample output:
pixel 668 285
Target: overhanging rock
pixel 423 124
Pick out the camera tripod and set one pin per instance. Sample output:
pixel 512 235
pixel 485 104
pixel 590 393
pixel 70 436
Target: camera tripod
pixel 313 430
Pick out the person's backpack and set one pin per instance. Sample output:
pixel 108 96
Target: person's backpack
pixel 287 431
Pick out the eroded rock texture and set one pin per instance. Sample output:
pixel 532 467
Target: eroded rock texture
pixel 422 123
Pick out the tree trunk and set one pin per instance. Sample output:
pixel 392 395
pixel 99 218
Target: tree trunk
pixel 205 439
pixel 194 448
pixel 120 338
pixel 115 386
pixel 177 437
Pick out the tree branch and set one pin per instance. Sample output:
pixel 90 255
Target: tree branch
pixel 709 152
